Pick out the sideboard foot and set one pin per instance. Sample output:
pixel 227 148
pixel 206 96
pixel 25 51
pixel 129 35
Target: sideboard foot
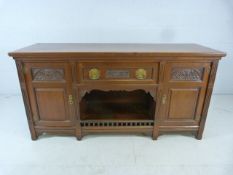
pixel 79 138
pixel 34 134
pixel 34 137
pixel 155 135
pixel 198 135
pixel 78 132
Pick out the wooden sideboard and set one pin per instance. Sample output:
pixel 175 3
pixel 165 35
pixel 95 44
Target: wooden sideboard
pixel 78 89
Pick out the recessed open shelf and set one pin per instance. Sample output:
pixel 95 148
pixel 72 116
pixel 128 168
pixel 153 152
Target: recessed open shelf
pixel 117 105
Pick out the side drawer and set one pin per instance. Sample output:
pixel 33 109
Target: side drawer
pixel 125 72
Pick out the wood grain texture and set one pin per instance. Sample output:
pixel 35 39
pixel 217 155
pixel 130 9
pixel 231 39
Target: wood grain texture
pixel 171 94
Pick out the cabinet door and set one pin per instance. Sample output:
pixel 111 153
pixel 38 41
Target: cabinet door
pixel 183 94
pixel 50 92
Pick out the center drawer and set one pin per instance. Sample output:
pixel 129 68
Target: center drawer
pixel 124 72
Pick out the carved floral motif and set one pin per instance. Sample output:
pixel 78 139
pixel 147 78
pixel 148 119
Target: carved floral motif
pixel 187 74
pixel 117 73
pixel 46 74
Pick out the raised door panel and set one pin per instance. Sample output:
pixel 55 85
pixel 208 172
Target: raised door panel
pixel 183 106
pixel 49 86
pixel 183 103
pixel 51 104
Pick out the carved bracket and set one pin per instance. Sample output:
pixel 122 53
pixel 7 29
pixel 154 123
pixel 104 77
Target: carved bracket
pixel 83 92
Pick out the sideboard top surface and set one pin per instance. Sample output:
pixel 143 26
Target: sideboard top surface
pixel 105 49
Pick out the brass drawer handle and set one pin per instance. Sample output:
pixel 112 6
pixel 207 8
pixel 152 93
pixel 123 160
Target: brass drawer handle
pixel 140 74
pixel 94 74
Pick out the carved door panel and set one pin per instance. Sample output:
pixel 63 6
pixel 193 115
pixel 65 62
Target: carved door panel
pixel 50 93
pixel 183 93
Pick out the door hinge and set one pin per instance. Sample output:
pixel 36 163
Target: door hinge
pixel 164 99
pixel 24 69
pixel 70 99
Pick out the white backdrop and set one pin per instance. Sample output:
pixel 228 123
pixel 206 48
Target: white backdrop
pixel 207 22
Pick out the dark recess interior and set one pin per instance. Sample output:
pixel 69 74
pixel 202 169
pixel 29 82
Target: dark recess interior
pixel 117 105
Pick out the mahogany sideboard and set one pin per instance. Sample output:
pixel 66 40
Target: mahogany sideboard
pixel 78 89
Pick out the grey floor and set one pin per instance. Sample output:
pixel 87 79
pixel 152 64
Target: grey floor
pixel 116 154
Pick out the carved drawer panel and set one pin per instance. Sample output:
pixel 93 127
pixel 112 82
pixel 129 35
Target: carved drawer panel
pixel 118 72
pixel 47 74
pixel 186 72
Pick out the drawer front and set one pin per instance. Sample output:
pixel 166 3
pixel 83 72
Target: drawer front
pixel 127 72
